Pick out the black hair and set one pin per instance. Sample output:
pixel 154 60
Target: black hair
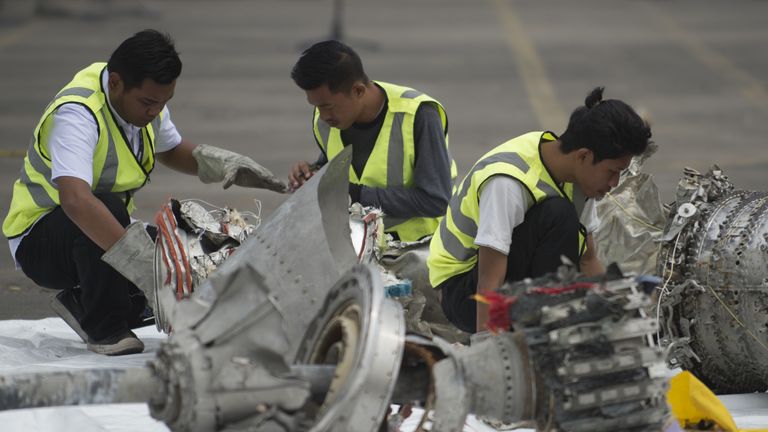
pixel 147 54
pixel 611 129
pixel 331 63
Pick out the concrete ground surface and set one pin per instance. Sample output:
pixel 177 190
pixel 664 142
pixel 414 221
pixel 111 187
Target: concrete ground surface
pixel 500 67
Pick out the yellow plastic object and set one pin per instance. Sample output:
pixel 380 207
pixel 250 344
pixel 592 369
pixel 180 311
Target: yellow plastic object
pixel 692 403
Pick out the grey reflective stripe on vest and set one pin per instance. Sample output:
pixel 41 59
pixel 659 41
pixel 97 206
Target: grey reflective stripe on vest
pixel 38 164
pixel 108 176
pixel 395 152
pixel 464 223
pixel 83 92
pixel 36 191
pixel 411 94
pixel 548 190
pixel 325 133
pixel 32 141
pixel 75 91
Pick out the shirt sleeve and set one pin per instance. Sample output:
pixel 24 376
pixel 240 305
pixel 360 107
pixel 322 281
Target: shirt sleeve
pixel 167 137
pixel 432 183
pixel 72 142
pixel 322 159
pixel 503 203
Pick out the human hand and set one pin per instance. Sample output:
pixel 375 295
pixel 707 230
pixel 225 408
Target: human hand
pixel 300 173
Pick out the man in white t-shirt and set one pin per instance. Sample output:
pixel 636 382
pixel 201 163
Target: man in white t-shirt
pixel 95 146
pixel 522 206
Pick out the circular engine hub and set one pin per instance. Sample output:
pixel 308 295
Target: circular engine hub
pixel 362 333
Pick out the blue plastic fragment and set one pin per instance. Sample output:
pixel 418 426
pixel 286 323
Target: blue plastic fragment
pixel 401 289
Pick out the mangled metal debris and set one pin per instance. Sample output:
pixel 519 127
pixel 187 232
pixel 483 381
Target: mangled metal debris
pixel 192 242
pixel 580 358
pixel 714 298
pixel 291 334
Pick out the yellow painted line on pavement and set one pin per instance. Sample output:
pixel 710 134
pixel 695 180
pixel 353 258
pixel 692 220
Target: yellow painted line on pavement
pixel 12 153
pixel 752 88
pixel 541 94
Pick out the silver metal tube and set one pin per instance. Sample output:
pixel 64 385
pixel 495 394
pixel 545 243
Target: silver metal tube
pixel 82 387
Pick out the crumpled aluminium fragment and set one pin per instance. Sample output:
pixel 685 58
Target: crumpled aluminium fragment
pixel 632 220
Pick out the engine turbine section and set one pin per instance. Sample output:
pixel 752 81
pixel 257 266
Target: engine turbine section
pixel 714 299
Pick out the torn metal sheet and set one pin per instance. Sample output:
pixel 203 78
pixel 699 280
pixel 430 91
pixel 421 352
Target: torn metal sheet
pixel 714 298
pixel 632 220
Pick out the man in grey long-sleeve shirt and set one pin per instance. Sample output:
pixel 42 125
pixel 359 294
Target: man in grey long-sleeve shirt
pixel 400 159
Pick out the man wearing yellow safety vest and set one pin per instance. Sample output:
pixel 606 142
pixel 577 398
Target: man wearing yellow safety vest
pixel 94 147
pixel 522 206
pixel 399 138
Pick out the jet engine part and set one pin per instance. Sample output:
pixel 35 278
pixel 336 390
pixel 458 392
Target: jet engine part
pixel 276 340
pixel 580 358
pixel 300 251
pixel 361 333
pixel 714 299
pixel 192 242
pixel 78 388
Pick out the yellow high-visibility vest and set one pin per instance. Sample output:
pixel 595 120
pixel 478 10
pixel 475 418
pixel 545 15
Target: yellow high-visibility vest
pixel 392 159
pixel 115 167
pixel 452 250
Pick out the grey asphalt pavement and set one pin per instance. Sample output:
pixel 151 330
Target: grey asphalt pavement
pixel 500 67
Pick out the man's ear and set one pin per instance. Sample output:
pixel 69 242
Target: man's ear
pixel 115 82
pixel 584 155
pixel 359 89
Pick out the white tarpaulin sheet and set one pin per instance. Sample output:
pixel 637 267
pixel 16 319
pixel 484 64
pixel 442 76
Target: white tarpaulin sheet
pixel 49 345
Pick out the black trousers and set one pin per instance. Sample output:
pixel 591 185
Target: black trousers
pixel 57 254
pixel 550 229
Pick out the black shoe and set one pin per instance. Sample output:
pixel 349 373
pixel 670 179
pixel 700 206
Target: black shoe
pixel 123 343
pixel 68 308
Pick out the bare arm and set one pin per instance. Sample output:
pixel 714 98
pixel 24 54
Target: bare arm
pixel 492 269
pixel 87 212
pixel 180 158
pixel 590 264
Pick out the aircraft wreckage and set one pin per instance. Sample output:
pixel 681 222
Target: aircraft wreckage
pixel 714 299
pixel 295 332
